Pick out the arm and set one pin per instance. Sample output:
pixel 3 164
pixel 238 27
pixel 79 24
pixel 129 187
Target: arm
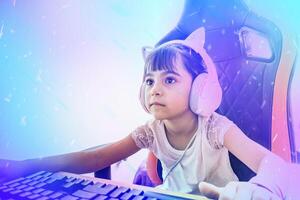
pixel 270 181
pixel 271 170
pixel 77 162
pixel 275 180
pixel 245 149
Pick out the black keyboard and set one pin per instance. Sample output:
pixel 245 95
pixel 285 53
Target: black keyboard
pixel 66 186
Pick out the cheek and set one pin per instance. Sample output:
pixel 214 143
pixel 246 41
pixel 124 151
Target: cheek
pixel 183 100
pixel 184 92
pixel 182 97
pixel 147 97
pixel 186 96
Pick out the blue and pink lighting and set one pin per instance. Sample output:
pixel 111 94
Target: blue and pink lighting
pixel 70 71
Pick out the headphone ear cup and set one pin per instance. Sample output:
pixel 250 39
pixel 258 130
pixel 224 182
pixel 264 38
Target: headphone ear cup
pixel 206 95
pixel 142 98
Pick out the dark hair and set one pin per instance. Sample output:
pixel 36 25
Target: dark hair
pixel 164 58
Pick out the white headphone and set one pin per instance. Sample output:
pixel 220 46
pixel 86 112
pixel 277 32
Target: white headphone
pixel 206 92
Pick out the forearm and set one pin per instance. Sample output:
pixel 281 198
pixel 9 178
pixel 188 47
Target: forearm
pixel 77 162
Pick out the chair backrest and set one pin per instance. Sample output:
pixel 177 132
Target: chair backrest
pixel 251 65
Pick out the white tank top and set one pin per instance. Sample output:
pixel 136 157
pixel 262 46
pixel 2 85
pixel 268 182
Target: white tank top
pixel 205 160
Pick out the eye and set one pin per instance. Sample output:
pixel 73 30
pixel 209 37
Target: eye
pixel 170 80
pixel 149 82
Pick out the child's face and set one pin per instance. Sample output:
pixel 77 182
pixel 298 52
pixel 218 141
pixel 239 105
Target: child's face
pixel 167 92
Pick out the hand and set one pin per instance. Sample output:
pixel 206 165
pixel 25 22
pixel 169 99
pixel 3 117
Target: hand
pixel 235 191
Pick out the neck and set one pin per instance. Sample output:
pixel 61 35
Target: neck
pixel 185 125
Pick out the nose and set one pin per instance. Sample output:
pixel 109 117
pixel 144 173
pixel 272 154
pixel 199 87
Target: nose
pixel 156 89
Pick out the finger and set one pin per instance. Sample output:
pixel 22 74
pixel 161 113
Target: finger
pixel 229 191
pixel 244 191
pixel 260 195
pixel 275 197
pixel 209 190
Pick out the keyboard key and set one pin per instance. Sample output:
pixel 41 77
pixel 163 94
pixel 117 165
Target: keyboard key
pixel 69 184
pixel 16 192
pixel 28 188
pixel 40 185
pixel 126 196
pixel 43 198
pixel 21 187
pixel 93 188
pixel 34 196
pixel 86 182
pixel 55 195
pixel 14 185
pixel 139 198
pixel 37 178
pixel 101 197
pixel 107 189
pixel 57 176
pixel 99 185
pixel 77 181
pixel 26 181
pixel 69 197
pixel 33 183
pixel 47 192
pixel 3 187
pixel 38 190
pixel 35 174
pixel 14 181
pixel 118 192
pixel 51 180
pixel 47 174
pixel 137 192
pixel 7 189
pixel 44 179
pixel 70 179
pixel 24 194
pixel 131 194
pixel 84 194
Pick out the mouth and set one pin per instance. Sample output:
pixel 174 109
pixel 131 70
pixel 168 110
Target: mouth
pixel 156 104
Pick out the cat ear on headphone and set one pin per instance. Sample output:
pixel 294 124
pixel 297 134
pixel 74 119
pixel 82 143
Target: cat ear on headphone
pixel 196 40
pixel 146 50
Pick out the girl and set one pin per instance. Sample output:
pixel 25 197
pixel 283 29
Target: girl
pixel 181 91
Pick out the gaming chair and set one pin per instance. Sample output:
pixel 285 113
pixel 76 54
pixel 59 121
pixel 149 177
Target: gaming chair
pixel 254 70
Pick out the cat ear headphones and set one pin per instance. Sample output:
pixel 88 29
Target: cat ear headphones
pixel 206 92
